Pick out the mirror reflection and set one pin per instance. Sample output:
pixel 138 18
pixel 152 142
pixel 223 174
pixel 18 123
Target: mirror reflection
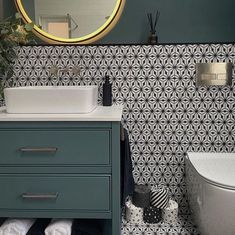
pixel 71 18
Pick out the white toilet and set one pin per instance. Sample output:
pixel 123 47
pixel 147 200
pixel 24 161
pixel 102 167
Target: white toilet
pixel 210 181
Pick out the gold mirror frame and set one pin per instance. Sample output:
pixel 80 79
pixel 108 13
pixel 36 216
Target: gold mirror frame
pixel 90 38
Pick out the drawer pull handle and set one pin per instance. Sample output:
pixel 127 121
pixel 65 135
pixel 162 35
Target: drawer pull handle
pixel 39 196
pixel 39 150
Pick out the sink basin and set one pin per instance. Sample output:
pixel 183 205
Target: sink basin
pixel 51 99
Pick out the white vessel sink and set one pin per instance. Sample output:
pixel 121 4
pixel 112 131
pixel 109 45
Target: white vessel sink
pixel 51 99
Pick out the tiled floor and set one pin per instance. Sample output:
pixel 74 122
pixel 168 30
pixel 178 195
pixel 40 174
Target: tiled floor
pixel 183 227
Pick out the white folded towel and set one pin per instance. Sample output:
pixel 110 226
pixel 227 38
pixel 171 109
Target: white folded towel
pixel 16 226
pixel 59 227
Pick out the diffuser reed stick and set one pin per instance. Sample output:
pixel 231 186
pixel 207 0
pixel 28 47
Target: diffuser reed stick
pixel 151 20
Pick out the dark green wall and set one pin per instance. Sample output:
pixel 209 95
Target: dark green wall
pixel 181 21
pixel 9 8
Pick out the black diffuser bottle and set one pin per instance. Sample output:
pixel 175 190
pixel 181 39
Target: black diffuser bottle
pixel 107 92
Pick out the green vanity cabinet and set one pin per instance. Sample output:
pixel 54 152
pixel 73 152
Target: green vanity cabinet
pixel 55 146
pixel 61 170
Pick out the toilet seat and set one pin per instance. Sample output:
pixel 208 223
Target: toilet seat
pixel 214 168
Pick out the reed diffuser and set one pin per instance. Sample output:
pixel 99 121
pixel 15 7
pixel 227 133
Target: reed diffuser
pixel 153 39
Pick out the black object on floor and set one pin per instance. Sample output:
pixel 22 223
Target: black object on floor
pixel 127 179
pixel 38 228
pixel 141 196
pixel 86 227
pixel 2 220
pixel 152 215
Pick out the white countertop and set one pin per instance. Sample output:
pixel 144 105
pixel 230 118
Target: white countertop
pixel 101 113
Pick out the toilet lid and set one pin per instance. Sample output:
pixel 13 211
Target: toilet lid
pixel 218 168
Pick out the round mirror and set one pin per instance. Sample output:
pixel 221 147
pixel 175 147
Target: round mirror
pixel 71 21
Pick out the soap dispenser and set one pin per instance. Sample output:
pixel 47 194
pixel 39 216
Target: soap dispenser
pixel 107 92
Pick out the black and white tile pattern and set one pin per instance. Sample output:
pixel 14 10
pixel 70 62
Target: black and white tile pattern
pixel 165 113
pixel 183 227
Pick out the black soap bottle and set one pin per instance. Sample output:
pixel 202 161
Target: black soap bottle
pixel 107 92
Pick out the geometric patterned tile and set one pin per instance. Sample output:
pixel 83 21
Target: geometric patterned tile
pixel 184 226
pixel 165 113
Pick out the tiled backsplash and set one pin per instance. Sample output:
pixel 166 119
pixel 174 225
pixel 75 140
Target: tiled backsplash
pixel 165 113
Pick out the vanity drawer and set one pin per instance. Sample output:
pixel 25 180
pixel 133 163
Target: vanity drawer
pixel 30 192
pixel 55 147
